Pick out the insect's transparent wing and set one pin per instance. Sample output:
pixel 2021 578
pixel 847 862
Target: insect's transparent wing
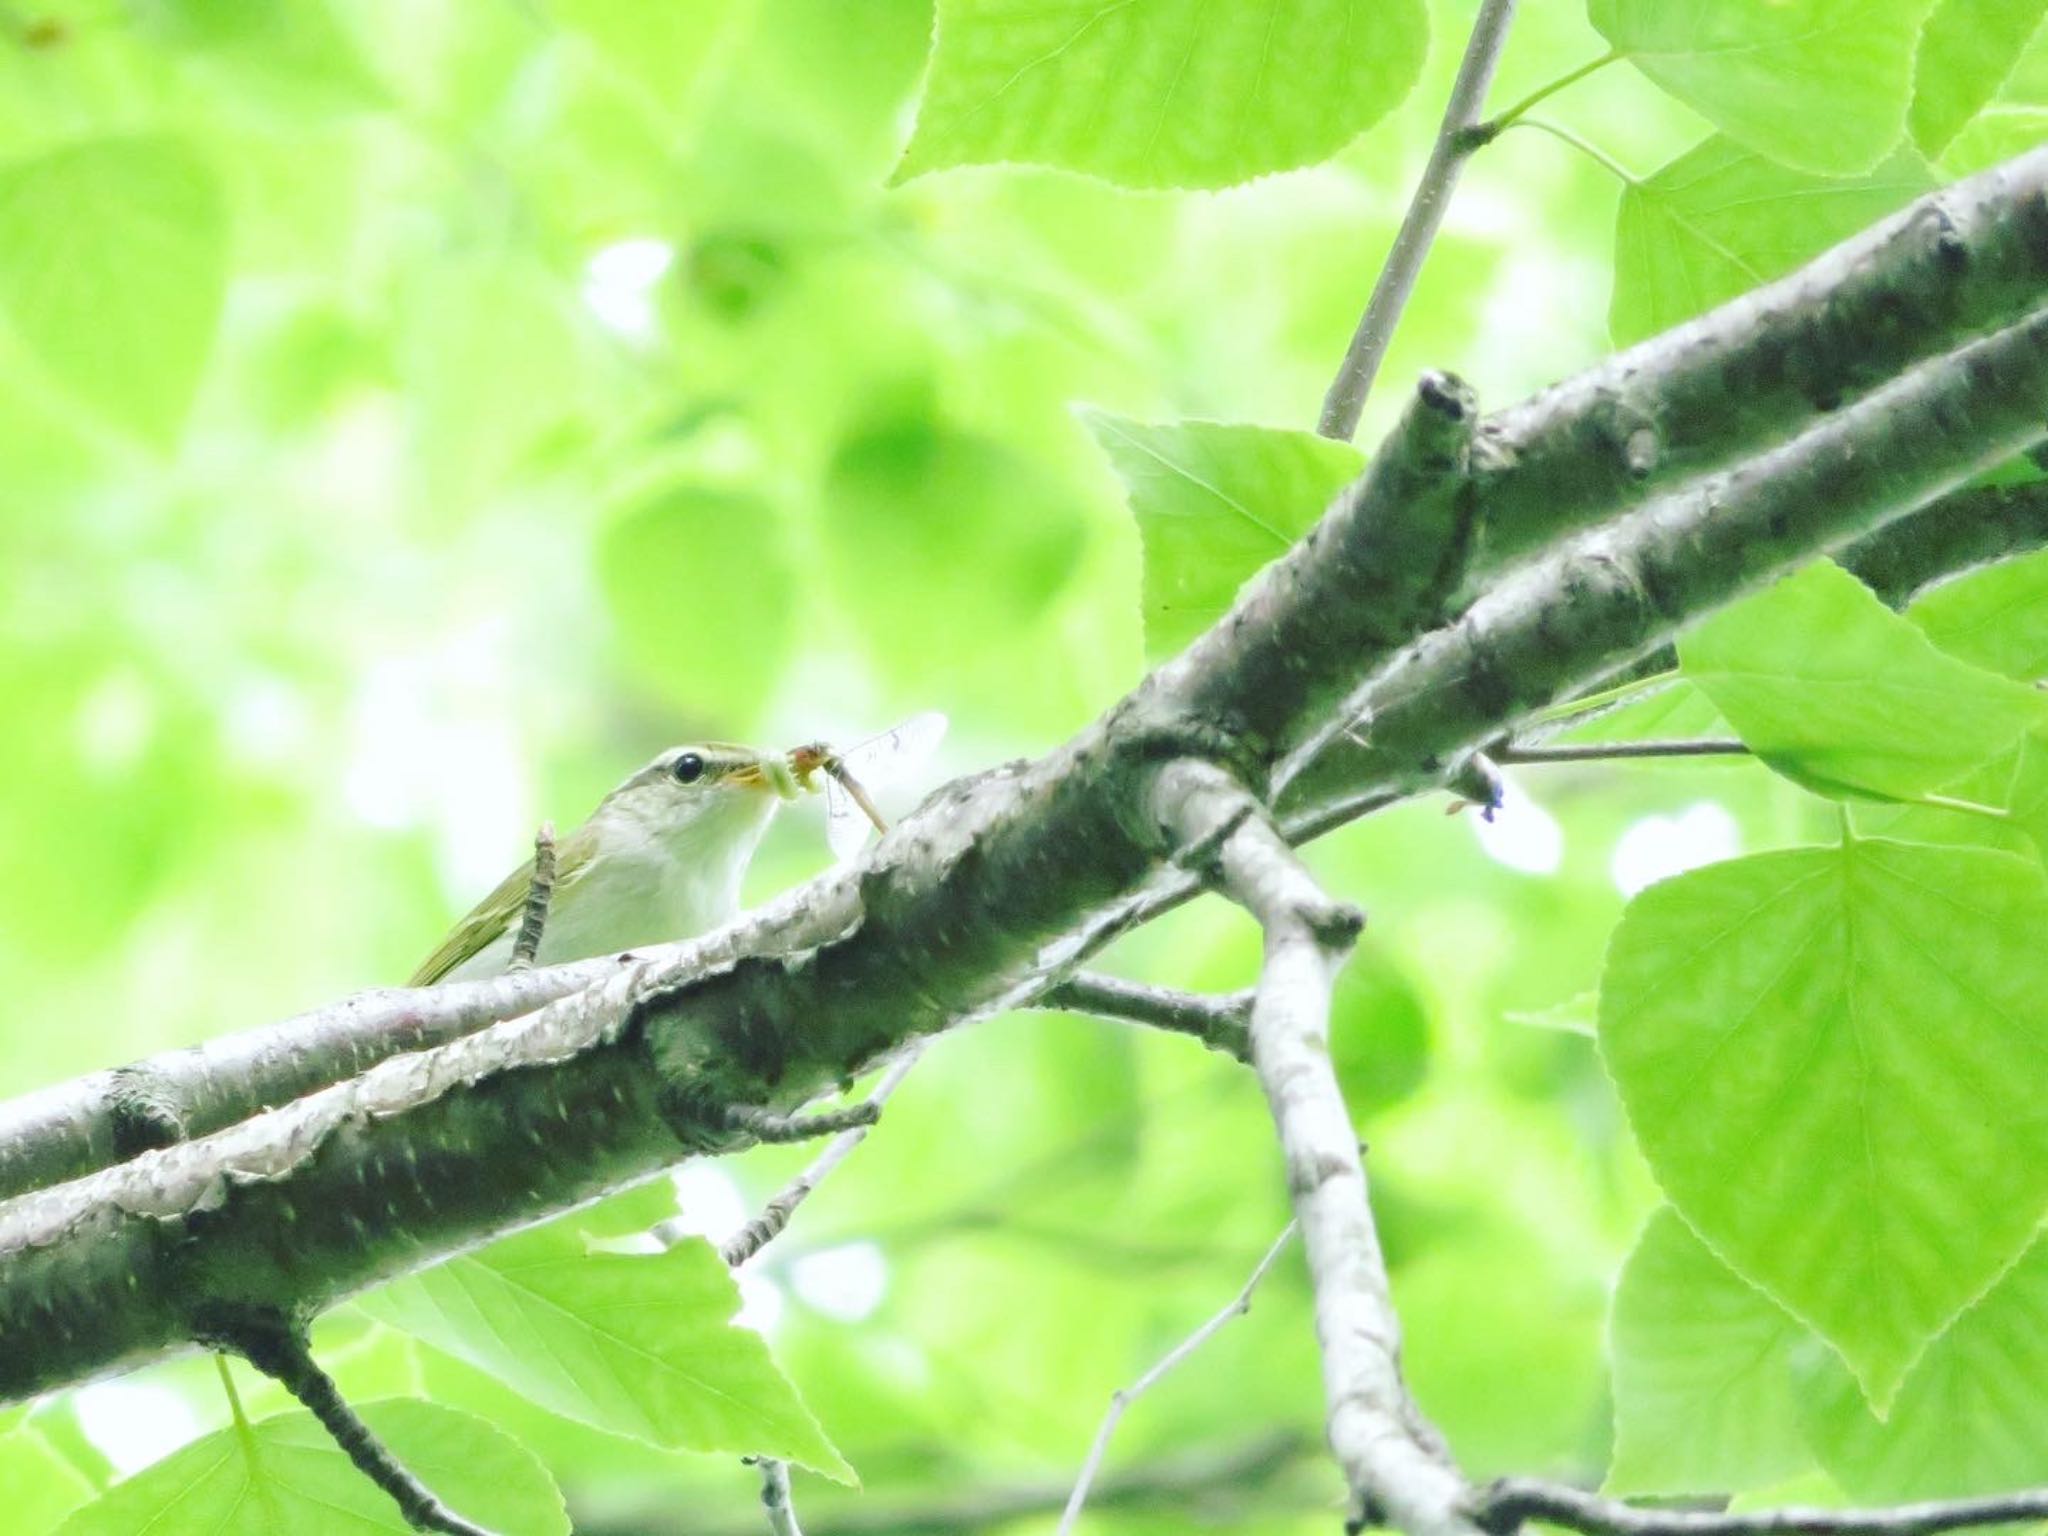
pixel 882 760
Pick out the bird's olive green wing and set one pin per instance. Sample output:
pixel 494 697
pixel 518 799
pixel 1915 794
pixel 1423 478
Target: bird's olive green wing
pixel 490 917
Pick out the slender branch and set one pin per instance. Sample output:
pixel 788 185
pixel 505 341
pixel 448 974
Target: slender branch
pixel 1221 1023
pixel 1492 127
pixel 766 1227
pixel 1454 145
pixel 776 1499
pixel 279 1349
pixel 1606 751
pixel 767 1126
pixel 1121 1400
pixel 1583 145
pixel 1504 1505
pixel 540 890
pixel 1232 1485
pixel 1394 1461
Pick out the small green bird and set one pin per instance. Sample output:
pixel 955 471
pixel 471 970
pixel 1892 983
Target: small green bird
pixel 660 858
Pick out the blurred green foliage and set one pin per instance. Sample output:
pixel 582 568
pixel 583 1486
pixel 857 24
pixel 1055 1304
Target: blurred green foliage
pixel 413 412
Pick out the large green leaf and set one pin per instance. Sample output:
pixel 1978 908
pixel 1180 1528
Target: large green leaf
pixel 1214 502
pixel 113 263
pixel 700 585
pixel 1162 93
pixel 1834 1060
pixel 286 1474
pixel 1844 697
pixel 1723 218
pixel 1995 618
pixel 641 1344
pixel 1968 49
pixel 1702 1372
pixel 1819 84
pixel 1972 1417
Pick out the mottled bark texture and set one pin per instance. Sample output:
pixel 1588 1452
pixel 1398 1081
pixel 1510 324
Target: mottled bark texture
pixel 983 898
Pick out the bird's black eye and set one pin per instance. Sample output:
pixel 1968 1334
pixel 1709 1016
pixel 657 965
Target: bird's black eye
pixel 688 768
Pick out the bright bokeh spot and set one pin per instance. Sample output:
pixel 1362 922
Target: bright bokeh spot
pixel 1520 834
pixel 619 283
pixel 133 1423
pixel 1657 847
pixel 846 1283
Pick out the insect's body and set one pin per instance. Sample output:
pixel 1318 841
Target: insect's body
pixel 661 858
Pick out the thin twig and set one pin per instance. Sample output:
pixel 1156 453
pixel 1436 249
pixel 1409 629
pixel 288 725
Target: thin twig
pixel 1584 146
pixel 1492 126
pixel 1221 1023
pixel 766 1227
pixel 1603 751
pixel 278 1348
pixel 766 1125
pixel 1121 1400
pixel 1504 1505
pixel 776 1499
pixel 540 891
pixel 1454 145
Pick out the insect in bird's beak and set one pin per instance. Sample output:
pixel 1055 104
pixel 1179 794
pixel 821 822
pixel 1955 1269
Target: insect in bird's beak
pixel 769 771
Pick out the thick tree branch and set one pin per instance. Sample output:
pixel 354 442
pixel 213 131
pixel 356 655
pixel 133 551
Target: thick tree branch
pixel 1632 584
pixel 1966 260
pixel 1505 1505
pixel 1395 1463
pixel 1455 143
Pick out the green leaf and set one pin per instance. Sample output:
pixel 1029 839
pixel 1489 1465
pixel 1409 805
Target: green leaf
pixel 1161 93
pixel 113 263
pixel 1833 1059
pixel 700 585
pixel 1971 1418
pixel 1844 697
pixel 42 1487
pixel 1848 64
pixel 1722 218
pixel 1967 50
pixel 1995 618
pixel 1702 1373
pixel 642 1345
pixel 1214 502
pixel 2015 782
pixel 286 1474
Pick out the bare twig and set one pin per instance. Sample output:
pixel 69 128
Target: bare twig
pixel 1504 1505
pixel 1121 1401
pixel 766 1125
pixel 278 1348
pixel 766 1227
pixel 1221 1023
pixel 540 890
pixel 776 1499
pixel 1394 1461
pixel 1603 751
pixel 1454 145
